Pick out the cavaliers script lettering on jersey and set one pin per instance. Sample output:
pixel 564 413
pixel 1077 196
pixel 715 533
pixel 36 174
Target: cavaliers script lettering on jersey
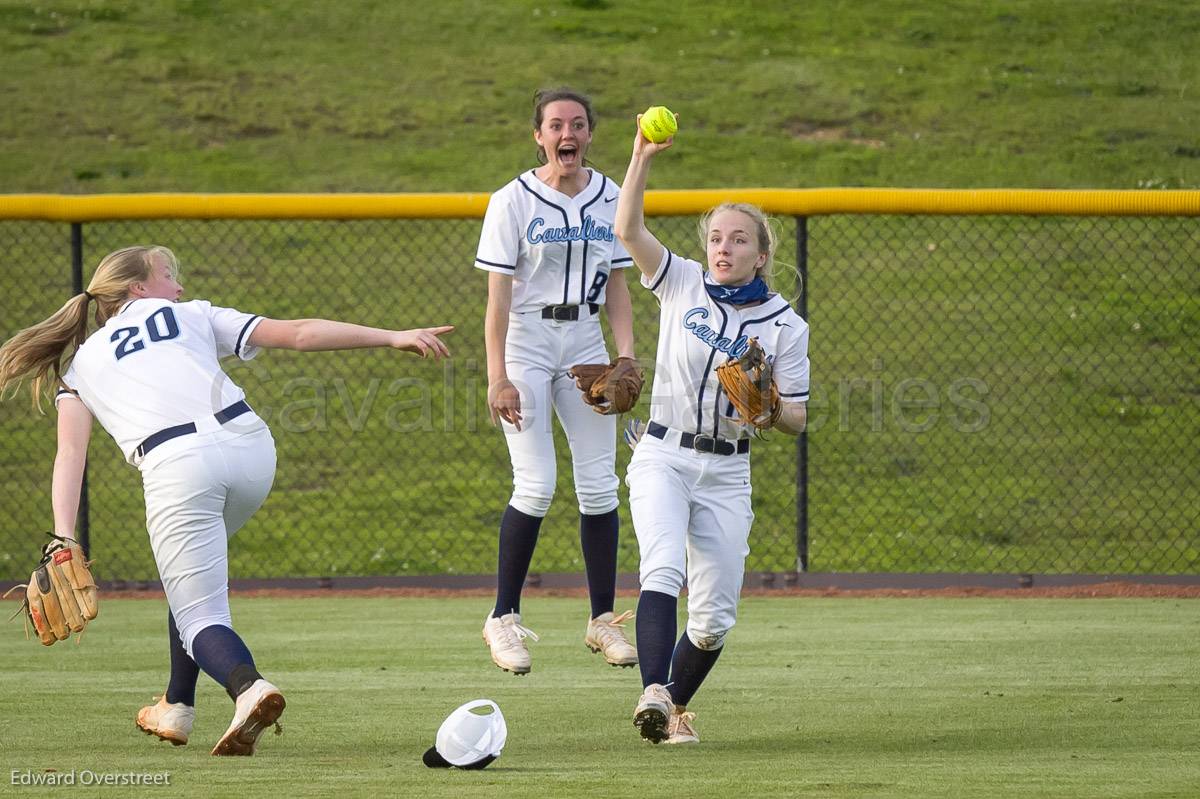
pixel 687 394
pixel 558 249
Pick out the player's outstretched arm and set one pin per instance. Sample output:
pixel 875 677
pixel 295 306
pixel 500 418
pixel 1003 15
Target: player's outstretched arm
pixel 74 432
pixel 317 335
pixel 630 221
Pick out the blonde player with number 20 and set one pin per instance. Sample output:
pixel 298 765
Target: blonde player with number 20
pixel 151 375
pixel 548 245
pixel 689 479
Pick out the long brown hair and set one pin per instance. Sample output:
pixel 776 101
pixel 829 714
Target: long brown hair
pixel 38 351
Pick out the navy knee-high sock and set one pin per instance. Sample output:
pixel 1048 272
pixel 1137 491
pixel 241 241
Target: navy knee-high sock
pixel 184 671
pixel 598 537
pixel 518 538
pixel 689 666
pixel 656 630
pixel 224 657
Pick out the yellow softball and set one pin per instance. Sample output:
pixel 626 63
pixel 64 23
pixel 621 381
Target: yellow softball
pixel 658 124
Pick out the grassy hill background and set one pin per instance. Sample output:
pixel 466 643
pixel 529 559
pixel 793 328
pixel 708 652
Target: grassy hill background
pixel 375 95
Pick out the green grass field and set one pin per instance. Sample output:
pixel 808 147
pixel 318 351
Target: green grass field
pixel 306 95
pixel 814 697
pixel 1083 332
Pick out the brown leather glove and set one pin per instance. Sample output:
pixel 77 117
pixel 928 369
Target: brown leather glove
pixel 611 388
pixel 749 383
pixel 61 596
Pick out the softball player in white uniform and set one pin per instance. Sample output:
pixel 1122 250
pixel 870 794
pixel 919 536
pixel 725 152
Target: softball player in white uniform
pixel 151 376
pixel 689 479
pixel 548 245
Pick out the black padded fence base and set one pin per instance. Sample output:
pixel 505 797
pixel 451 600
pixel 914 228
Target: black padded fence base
pixel 782 581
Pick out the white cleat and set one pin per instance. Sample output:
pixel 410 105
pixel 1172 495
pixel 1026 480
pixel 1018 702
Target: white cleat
pixel 606 634
pixel 257 708
pixel 680 729
pixel 167 721
pixel 653 713
pixel 505 637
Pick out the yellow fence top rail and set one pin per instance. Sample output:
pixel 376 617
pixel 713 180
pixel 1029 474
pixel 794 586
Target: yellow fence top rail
pixel 792 202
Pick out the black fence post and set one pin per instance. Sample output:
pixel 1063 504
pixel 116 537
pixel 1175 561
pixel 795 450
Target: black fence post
pixel 84 520
pixel 802 439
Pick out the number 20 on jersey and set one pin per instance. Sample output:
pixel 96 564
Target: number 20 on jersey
pixel 160 326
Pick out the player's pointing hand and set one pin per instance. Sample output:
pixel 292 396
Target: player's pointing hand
pixel 424 341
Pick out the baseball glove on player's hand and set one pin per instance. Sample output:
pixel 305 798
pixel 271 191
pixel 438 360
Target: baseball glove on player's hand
pixel 614 388
pixel 61 597
pixel 750 385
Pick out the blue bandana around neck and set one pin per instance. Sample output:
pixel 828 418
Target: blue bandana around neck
pixel 754 291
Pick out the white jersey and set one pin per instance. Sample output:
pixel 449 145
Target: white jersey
pixel 558 249
pixel 155 364
pixel 697 334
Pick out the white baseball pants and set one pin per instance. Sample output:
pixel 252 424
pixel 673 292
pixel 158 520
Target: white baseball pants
pixel 539 353
pixel 200 489
pixel 692 515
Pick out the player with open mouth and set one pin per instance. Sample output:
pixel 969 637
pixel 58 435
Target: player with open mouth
pixel 553 263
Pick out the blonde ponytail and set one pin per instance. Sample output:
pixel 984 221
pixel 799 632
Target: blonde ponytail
pixel 37 352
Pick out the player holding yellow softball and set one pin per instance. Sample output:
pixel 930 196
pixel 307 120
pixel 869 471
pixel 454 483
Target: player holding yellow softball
pixel 689 479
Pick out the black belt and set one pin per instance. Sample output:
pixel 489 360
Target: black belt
pixel 567 313
pixel 167 433
pixel 717 446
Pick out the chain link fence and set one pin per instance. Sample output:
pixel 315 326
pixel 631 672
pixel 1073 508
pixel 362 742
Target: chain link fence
pixel 990 394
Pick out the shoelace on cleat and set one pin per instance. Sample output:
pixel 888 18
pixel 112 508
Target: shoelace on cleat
pixel 514 632
pixel 613 629
pixel 681 722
